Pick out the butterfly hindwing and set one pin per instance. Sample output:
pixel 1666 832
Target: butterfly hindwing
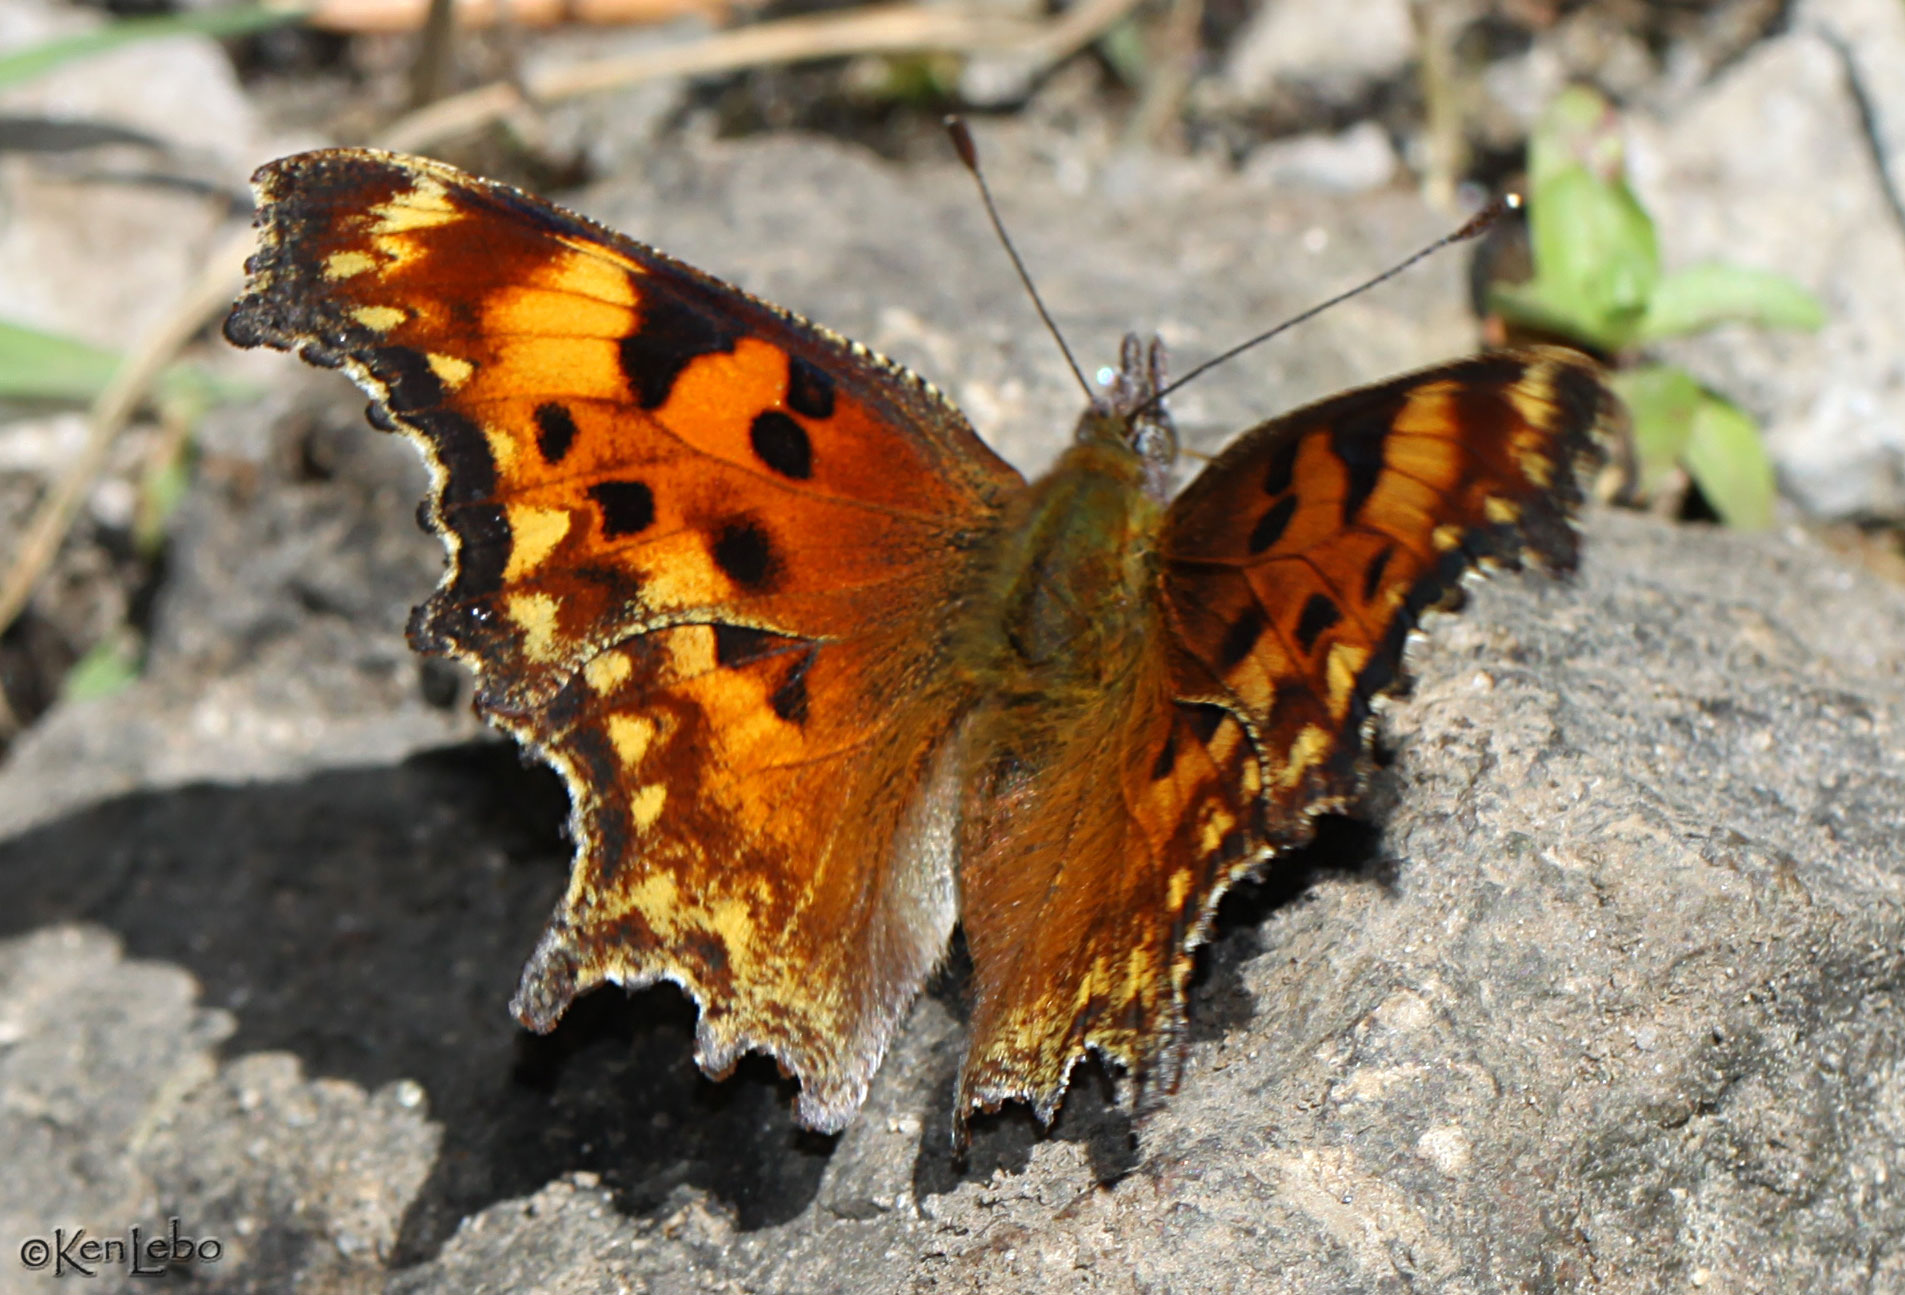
pixel 699 549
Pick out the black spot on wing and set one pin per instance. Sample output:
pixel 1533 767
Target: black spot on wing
pixel 555 431
pixel 745 553
pixel 628 507
pixel 707 948
pixel 1270 527
pixel 1319 613
pixel 483 545
pixel 1240 637
pixel 782 444
pixel 672 336
pixel 1579 397
pixel 1205 720
pixel 789 701
pixel 1372 574
pixel 409 380
pixel 1358 443
pixel 1280 471
pixel 737 645
pixel 464 452
pixel 809 389
pixel 1167 756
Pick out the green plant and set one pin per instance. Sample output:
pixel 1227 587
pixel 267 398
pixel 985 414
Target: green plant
pixel 1598 282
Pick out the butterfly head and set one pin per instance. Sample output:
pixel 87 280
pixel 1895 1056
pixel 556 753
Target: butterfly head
pixel 1130 414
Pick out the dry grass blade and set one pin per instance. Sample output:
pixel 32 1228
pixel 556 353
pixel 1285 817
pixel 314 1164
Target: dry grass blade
pixel 885 29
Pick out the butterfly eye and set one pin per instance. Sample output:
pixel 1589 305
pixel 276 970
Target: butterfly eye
pixel 1154 437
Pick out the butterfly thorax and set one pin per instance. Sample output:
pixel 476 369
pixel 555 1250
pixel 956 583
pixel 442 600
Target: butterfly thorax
pixel 1064 600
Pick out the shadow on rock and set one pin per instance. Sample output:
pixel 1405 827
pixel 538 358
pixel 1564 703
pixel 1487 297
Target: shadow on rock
pixel 1220 1002
pixel 373 922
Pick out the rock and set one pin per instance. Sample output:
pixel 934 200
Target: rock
pixel 1350 161
pixel 1606 995
pixel 179 93
pixel 1331 54
pixel 1772 166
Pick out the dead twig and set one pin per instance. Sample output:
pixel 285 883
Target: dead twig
pixel 885 29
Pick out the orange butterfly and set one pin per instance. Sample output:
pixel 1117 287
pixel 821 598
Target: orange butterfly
pixel 825 676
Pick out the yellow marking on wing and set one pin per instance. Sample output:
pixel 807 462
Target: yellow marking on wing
pixel 733 921
pixel 606 673
pixel 379 319
pixel 1346 661
pixel 1445 537
pixel 533 534
pixel 691 651
pixel 535 616
pixel 587 271
pixel 424 205
pixel 348 264
pixel 503 450
pixel 577 368
pixel 678 571
pixel 536 311
pixel 452 371
pixel 645 805
pixel 1428 410
pixel 1217 823
pixel 1503 512
pixel 630 735
pixel 1533 460
pixel 658 898
pixel 1251 778
pixel 1180 889
pixel 1308 748
pixel 1224 740
pixel 1532 398
pixel 1427 454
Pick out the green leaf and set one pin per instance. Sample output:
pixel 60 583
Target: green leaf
pixel 1662 402
pixel 1704 296
pixel 1595 251
pixel 35 60
pixel 161 491
pixel 112 663
pixel 42 366
pixel 1727 459
pixel 1539 305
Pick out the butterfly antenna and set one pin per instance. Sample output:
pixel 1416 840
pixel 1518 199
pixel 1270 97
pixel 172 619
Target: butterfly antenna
pixel 969 154
pixel 1475 225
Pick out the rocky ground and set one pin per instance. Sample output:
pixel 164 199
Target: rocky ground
pixel 1603 993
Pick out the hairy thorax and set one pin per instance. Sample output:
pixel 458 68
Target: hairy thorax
pixel 1062 607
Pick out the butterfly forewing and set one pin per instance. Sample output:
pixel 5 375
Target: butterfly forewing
pixel 1296 564
pixel 700 552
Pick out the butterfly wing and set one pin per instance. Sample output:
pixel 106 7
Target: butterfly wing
pixel 699 555
pixel 1290 573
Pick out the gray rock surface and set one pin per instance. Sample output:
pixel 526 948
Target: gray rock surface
pixel 1607 998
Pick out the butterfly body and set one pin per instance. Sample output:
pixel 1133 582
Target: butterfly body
pixel 825 677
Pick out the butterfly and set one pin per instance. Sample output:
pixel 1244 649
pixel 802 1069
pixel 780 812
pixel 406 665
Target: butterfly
pixel 826 677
